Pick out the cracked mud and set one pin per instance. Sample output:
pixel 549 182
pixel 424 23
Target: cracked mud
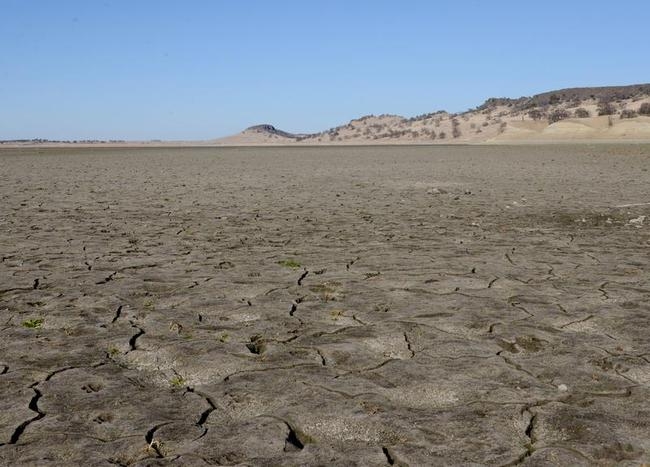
pixel 325 306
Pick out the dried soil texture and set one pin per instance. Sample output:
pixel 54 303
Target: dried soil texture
pixel 325 306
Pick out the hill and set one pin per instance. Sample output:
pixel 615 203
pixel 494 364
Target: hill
pixel 588 113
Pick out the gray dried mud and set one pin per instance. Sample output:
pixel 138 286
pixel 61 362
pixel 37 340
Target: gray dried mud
pixel 325 306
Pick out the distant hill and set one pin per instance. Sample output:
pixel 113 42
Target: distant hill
pixel 267 129
pixel 588 113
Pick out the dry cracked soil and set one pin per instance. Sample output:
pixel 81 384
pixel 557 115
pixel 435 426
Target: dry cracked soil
pixel 325 306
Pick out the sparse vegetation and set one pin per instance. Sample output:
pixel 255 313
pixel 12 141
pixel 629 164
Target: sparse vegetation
pixel 35 323
pixel 223 338
pixel 644 109
pixel 536 114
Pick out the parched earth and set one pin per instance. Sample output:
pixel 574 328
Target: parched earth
pixel 325 306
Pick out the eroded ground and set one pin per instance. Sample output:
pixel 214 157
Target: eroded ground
pixel 340 306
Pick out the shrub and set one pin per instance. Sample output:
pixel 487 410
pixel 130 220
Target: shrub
pixel 535 114
pixel 582 113
pixel 558 115
pixel 644 109
pixel 455 131
pixel 606 108
pixel 442 135
pixel 628 113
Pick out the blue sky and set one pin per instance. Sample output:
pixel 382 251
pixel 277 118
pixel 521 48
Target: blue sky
pixel 130 69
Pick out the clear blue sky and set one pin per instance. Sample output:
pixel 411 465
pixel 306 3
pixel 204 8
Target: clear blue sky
pixel 139 69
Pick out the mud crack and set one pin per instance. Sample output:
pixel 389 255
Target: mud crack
pixel 302 277
pixel 33 406
pixel 408 345
pixel 154 444
pixel 203 418
pixel 134 338
pixel 294 305
pixel 118 313
pixel 106 279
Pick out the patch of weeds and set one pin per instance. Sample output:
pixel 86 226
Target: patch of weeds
pixel 325 287
pixel 327 290
pixel 113 351
pixel 149 304
pixel 224 337
pixel 177 381
pixel 35 323
pixel 289 263
pixel 336 314
pixel 158 448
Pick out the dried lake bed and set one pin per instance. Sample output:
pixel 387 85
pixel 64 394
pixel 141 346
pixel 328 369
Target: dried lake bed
pixel 483 305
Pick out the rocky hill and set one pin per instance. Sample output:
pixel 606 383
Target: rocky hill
pixel 590 113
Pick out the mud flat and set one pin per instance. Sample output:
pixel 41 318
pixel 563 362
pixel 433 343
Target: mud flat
pixel 325 306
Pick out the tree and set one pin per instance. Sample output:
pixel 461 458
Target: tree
pixel 455 131
pixel 557 115
pixel 582 113
pixel 628 113
pixel 606 108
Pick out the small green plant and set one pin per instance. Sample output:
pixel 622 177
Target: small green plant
pixel 289 263
pixel 36 323
pixel 113 351
pixel 149 304
pixel 336 314
pixel 177 381
pixel 224 337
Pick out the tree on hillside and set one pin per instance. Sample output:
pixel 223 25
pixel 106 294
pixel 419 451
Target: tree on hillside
pixel 644 109
pixel 606 108
pixel 582 113
pixel 628 113
pixel 455 131
pixel 557 115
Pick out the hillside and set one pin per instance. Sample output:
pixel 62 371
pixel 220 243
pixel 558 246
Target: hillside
pixel 590 113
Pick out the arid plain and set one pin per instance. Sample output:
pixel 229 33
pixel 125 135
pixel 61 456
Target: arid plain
pixel 325 306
